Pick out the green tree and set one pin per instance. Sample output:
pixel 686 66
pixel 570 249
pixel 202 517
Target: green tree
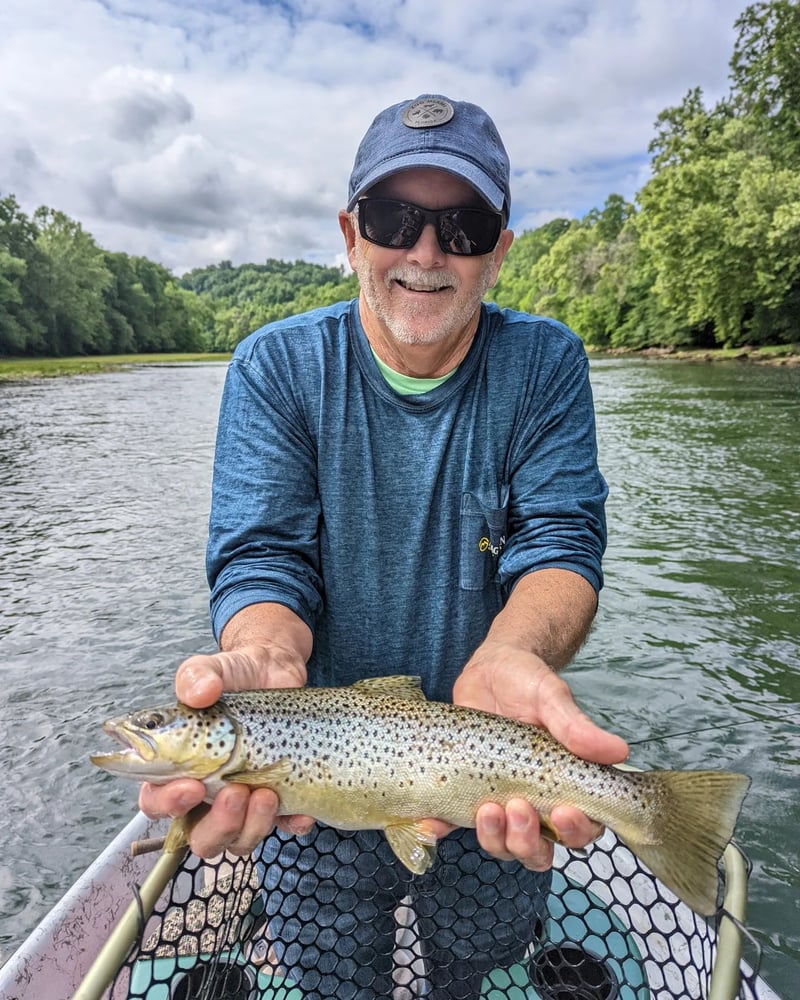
pixel 244 298
pixel 22 275
pixel 765 73
pixel 77 277
pixel 579 279
pixel 12 334
pixel 721 231
pixel 514 288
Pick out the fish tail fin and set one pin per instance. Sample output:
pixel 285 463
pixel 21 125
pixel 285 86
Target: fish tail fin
pixel 696 817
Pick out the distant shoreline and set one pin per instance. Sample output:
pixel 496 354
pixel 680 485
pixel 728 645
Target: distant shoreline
pixel 14 369
pixel 784 355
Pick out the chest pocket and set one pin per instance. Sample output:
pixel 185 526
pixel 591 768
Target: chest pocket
pixel 483 538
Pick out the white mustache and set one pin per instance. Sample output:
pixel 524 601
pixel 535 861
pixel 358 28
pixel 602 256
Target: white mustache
pixel 426 280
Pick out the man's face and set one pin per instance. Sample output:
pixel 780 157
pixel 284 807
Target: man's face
pixel 422 295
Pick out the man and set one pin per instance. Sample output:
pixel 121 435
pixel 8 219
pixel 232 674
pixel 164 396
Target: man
pixel 408 484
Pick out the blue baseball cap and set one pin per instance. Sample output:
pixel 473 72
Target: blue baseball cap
pixel 433 131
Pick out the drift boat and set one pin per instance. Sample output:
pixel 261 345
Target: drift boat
pixel 176 927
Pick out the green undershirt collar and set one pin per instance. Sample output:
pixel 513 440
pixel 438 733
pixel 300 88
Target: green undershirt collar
pixel 406 385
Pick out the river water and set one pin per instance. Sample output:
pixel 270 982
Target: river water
pixel 104 491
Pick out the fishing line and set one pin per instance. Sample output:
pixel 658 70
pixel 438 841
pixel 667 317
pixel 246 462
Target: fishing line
pixel 715 729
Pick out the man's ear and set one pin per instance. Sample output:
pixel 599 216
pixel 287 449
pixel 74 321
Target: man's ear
pixel 500 251
pixel 347 224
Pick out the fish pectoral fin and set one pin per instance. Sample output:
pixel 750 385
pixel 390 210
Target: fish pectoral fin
pixel 413 843
pixel 263 777
pixel 408 688
pixel 177 837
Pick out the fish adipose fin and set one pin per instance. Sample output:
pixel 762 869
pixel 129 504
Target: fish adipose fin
pixel 413 843
pixel 406 687
pixel 698 813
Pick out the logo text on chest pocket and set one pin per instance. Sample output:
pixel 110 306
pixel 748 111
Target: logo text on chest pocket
pixel 483 538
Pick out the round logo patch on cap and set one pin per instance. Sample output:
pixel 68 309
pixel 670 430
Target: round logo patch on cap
pixel 428 113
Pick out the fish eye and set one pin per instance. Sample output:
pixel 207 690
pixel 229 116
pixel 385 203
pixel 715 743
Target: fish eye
pixel 152 721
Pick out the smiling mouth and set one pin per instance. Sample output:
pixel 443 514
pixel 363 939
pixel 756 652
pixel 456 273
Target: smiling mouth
pixel 426 289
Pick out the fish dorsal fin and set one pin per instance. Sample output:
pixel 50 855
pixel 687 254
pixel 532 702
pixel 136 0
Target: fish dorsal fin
pixel 408 688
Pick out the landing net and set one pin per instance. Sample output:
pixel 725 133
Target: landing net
pixel 320 917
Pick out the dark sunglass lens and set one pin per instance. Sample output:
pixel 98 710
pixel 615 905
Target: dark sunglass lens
pixel 389 223
pixel 467 232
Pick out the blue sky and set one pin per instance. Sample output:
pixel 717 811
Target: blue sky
pixel 193 132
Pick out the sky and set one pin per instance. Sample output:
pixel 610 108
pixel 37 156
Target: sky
pixel 195 131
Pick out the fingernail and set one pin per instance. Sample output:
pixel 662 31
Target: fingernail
pixel 518 820
pixel 236 804
pixel 196 690
pixel 492 825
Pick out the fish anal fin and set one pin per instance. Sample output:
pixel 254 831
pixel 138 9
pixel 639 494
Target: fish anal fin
pixel 408 688
pixel 413 843
pixel 698 813
pixel 549 832
pixel 263 777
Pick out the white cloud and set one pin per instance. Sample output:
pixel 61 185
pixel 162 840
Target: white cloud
pixel 227 129
pixel 139 102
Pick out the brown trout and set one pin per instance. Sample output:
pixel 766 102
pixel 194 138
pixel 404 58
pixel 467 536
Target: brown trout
pixel 379 755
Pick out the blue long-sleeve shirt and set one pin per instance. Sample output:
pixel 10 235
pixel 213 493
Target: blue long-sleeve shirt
pixel 396 526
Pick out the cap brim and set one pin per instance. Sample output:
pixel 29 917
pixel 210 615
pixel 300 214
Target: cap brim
pixel 465 169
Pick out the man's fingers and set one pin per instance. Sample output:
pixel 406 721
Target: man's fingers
pixel 174 799
pixel 296 826
pixel 513 834
pixel 237 821
pixel 259 821
pixel 574 828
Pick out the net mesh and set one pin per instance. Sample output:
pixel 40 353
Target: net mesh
pixel 332 915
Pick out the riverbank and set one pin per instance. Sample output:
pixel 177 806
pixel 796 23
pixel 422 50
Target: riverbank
pixel 23 368
pixel 772 354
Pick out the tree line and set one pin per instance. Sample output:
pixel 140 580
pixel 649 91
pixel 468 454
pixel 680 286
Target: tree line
pixel 710 253
pixel 707 255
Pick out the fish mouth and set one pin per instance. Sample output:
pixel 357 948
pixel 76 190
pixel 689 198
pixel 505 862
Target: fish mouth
pixel 136 744
pixel 137 757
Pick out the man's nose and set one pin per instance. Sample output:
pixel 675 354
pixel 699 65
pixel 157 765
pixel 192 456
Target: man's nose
pixel 426 251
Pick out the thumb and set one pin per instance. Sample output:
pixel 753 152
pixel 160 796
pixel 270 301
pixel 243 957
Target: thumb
pixel 198 681
pixel 576 731
pixel 572 727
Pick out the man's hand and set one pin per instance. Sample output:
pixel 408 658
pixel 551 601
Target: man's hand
pixel 239 818
pixel 506 680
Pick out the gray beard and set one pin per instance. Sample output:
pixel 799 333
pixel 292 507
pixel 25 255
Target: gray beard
pixel 406 329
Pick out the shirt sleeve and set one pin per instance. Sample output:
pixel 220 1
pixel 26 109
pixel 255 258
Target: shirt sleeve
pixel 557 493
pixel 263 530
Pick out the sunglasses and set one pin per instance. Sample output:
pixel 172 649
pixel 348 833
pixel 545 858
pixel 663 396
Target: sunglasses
pixel 466 232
